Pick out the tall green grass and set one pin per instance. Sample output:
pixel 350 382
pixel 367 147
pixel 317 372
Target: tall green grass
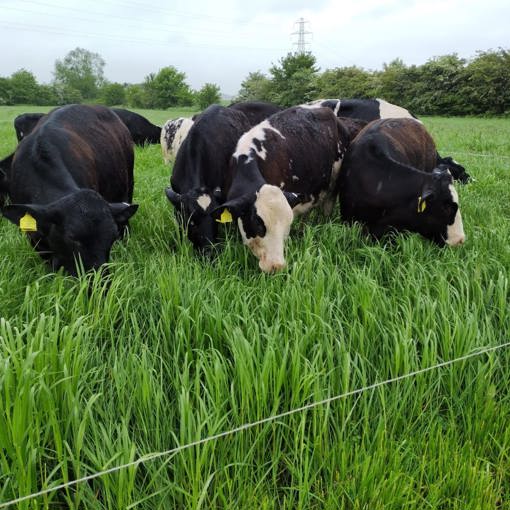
pixel 173 348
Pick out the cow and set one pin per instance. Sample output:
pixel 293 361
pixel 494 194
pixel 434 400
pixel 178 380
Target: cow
pixel 373 109
pixel 280 169
pixel 197 184
pixel 25 123
pixel 173 133
pixel 390 182
pixel 142 131
pixel 71 185
pixel 256 111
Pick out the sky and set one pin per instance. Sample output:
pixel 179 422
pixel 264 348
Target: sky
pixel 222 41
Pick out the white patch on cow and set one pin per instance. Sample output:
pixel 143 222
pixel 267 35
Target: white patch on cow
pixel 295 178
pixel 274 210
pixel 173 133
pixel 392 111
pixel 379 187
pixel 312 104
pixel 21 134
pixel 282 185
pixel 204 201
pixel 246 145
pixel 337 108
pixel 302 208
pixel 455 233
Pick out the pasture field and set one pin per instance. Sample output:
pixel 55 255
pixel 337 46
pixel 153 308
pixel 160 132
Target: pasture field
pixel 174 348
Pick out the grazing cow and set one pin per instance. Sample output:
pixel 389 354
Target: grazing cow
pixel 256 111
pixel 25 123
pixel 173 133
pixel 198 178
pixel 390 182
pixel 281 168
pixel 142 131
pixel 70 185
pixel 5 172
pixel 373 109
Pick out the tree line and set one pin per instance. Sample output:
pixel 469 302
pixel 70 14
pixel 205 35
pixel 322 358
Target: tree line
pixel 444 85
pixel 79 77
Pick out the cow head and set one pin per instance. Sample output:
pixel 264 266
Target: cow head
pixel 193 210
pixel 437 210
pixel 457 170
pixel 264 219
pixel 80 226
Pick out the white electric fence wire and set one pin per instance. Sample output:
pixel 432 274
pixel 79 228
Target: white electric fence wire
pixel 475 154
pixel 152 456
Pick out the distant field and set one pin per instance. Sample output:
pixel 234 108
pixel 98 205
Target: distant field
pixel 181 348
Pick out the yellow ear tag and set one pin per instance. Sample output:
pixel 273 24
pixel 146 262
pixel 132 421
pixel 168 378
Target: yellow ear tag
pixel 422 205
pixel 28 223
pixel 225 217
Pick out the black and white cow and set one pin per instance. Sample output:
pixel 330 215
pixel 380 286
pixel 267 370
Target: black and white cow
pixel 71 184
pixel 390 182
pixel 256 111
pixel 173 133
pixel 281 168
pixel 142 131
pixel 5 172
pixel 200 170
pixel 25 123
pixel 373 109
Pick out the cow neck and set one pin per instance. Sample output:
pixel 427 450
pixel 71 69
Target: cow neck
pixel 409 181
pixel 50 180
pixel 247 178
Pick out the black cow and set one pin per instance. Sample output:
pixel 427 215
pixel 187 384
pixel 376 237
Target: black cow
pixel 142 131
pixel 70 185
pixel 25 123
pixel 256 111
pixel 5 172
pixel 281 168
pixel 390 182
pixel 373 109
pixel 198 178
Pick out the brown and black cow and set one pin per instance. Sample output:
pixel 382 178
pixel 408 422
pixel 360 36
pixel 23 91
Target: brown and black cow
pixel 390 181
pixel 71 185
pixel 374 109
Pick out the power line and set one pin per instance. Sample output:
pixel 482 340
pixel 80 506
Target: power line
pixel 329 400
pixel 73 32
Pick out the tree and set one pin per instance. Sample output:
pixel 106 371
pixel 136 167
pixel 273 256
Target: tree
pixel 5 91
pixel 112 94
pixel 488 82
pixel 256 87
pixel 24 87
pixel 167 88
pixel 345 82
pixel 82 71
pixel 293 79
pixel 135 96
pixel 209 94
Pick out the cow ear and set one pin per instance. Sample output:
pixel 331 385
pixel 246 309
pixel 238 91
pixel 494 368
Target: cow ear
pixel 30 217
pixel 217 194
pixel 122 211
pixel 294 198
pixel 428 194
pixel 174 197
pixel 236 207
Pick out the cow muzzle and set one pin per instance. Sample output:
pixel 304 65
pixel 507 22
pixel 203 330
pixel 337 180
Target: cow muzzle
pixel 271 266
